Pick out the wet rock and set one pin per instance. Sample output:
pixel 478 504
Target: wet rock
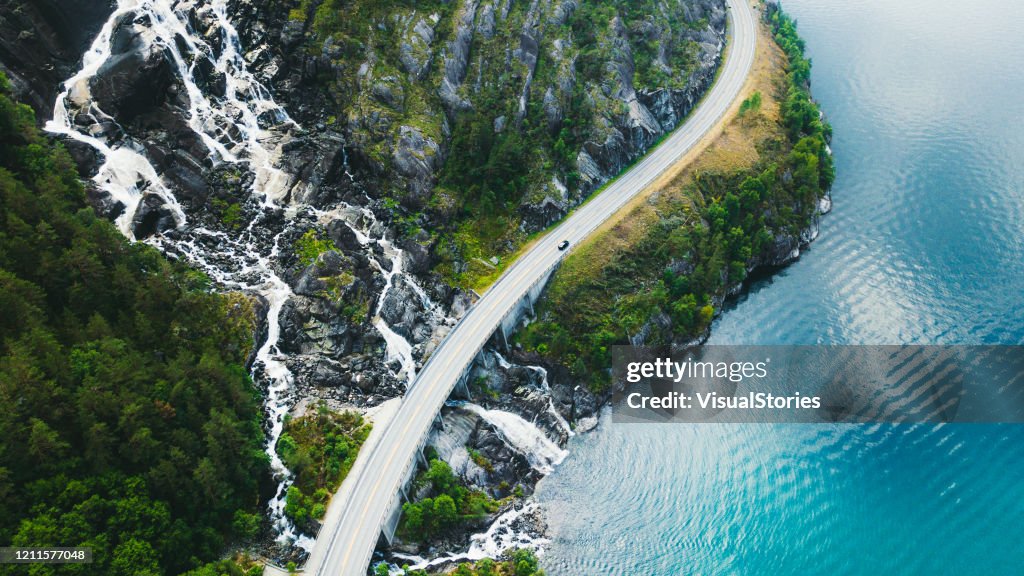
pixel 187 174
pixel 137 76
pixel 312 326
pixel 103 203
pixel 41 45
pixel 209 79
pixel 584 403
pixel 508 467
pixel 343 236
pixel 402 308
pixel 87 159
pixel 308 282
pixel 152 216
pixel 783 249
pixel 260 308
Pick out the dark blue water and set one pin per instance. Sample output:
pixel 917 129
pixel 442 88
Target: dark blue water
pixel 925 245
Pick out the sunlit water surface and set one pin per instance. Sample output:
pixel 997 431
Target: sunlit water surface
pixel 925 245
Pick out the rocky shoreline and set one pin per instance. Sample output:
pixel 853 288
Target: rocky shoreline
pixel 559 408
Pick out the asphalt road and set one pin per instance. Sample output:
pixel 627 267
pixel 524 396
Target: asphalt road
pixel 346 546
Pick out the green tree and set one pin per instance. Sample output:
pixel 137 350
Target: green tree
pixel 129 422
pixel 445 512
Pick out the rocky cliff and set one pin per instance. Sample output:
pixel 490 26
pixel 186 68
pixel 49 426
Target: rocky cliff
pixel 426 120
pixel 355 165
pixel 42 42
pixel 509 112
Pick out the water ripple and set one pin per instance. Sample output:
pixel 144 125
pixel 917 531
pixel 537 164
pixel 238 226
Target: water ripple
pixel 925 244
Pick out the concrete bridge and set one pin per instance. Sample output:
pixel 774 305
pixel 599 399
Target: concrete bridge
pixel 371 509
pixel 504 329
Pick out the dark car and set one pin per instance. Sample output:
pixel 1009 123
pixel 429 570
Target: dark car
pixel 563 245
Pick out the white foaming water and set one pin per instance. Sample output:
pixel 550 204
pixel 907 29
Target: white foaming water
pixel 562 422
pixel 230 128
pixel 244 126
pixel 126 173
pixel 500 537
pixel 542 454
pixel 398 348
pixel 253 273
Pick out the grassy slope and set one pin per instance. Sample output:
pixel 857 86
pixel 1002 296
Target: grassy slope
pixel 676 250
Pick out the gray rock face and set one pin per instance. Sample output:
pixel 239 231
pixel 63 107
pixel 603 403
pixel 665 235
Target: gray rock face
pixel 784 249
pixel 414 52
pixel 560 14
pixel 485 22
pixel 364 138
pixel 389 92
pixel 417 259
pixel 396 140
pixel 418 158
pixel 649 113
pixel 137 77
pixel 456 61
pixel 527 53
pixel 552 109
pixel 41 44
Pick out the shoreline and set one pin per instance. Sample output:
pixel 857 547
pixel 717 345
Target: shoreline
pixel 757 270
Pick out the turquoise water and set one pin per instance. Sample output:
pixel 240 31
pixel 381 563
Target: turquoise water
pixel 925 245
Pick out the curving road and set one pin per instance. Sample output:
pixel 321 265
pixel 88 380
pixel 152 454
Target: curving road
pixel 345 548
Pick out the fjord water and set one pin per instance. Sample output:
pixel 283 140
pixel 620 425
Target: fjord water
pixel 925 245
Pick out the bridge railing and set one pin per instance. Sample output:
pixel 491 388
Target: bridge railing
pixel 591 225
pixel 409 470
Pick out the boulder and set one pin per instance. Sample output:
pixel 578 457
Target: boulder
pixel 102 202
pixel 417 157
pixel 137 76
pixel 153 216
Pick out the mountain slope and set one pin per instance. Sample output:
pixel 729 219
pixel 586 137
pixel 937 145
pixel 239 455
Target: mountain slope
pixel 477 123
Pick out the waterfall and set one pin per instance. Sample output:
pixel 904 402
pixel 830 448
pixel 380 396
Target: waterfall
pixel 562 422
pixel 555 414
pixel 501 536
pixel 125 172
pixel 243 127
pixel 542 454
pixel 398 347
pixel 232 130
